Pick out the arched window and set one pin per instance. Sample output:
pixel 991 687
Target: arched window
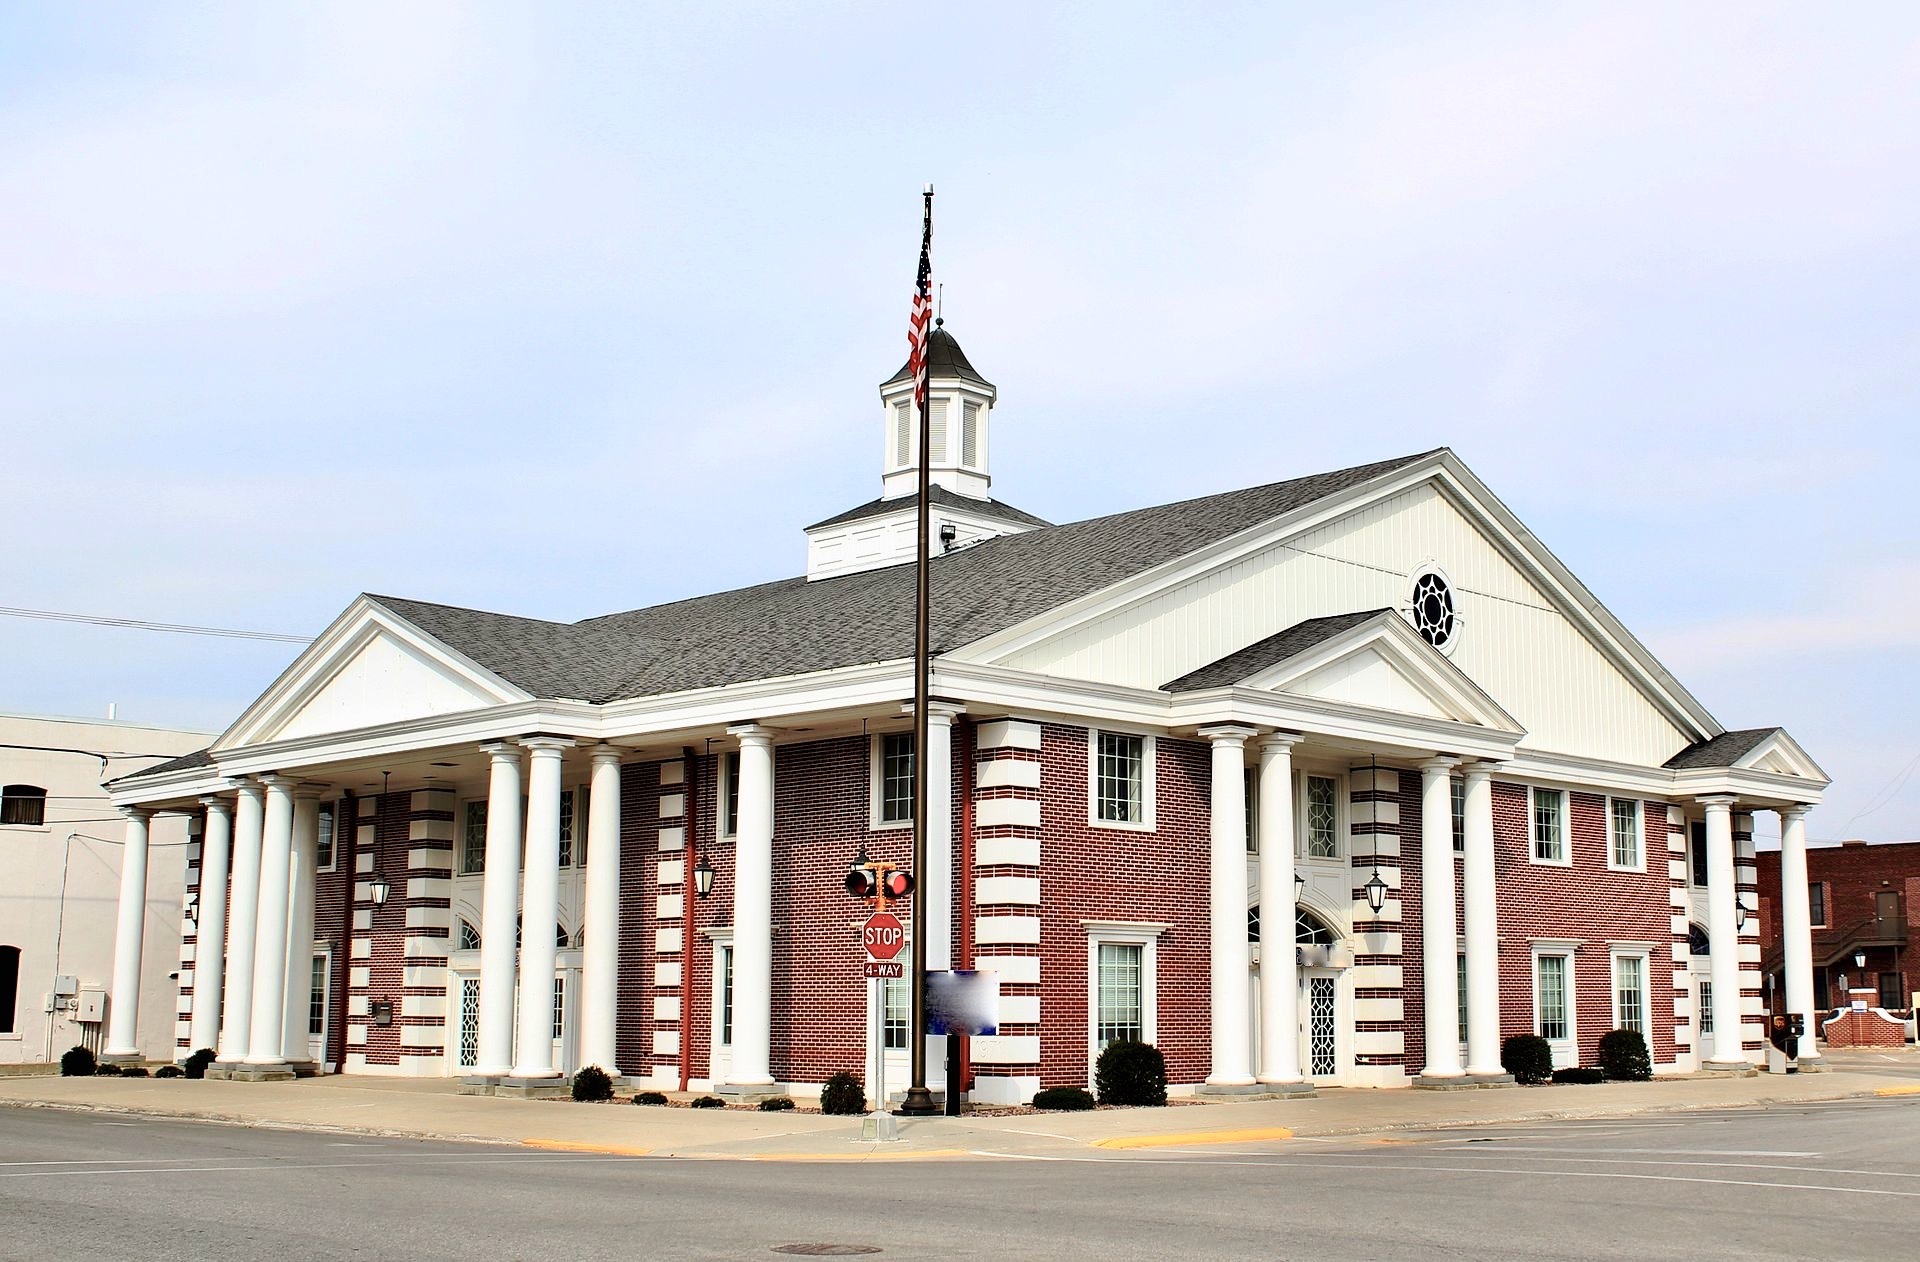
pixel 1308 929
pixel 9 988
pixel 559 934
pixel 469 937
pixel 1697 943
pixel 23 804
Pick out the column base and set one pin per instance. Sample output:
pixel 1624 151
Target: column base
pixel 1299 1089
pixel 523 1088
pixel 304 1068
pixel 1730 1069
pixel 1813 1065
pixel 479 1084
pixel 1461 1082
pixel 122 1058
pixel 1234 1090
pixel 748 1092
pixel 279 1071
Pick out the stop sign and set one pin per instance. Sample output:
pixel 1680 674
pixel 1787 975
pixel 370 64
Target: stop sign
pixel 883 935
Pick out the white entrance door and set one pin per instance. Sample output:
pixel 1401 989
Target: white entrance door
pixel 1322 1056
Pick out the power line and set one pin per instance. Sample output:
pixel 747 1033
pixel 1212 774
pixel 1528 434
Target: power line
pixel 136 624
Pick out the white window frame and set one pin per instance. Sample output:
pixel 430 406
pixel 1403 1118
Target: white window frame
pixel 1457 819
pixel 1342 817
pixel 330 810
pixel 1644 954
pixel 876 784
pixel 1639 836
pixel 1566 828
pixel 460 839
pixel 1821 922
pixel 726 775
pixel 1566 1051
pixel 719 940
pixel 1149 763
pixel 1146 936
pixel 45 799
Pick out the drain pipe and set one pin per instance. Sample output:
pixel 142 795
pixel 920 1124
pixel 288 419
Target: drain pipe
pixel 688 901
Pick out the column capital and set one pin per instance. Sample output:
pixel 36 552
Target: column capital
pixel 751 732
pixel 944 712
pixel 1440 762
pixel 547 744
pixel 1479 770
pixel 310 791
pixel 279 780
pixel 1718 801
pixel 1229 733
pixel 603 753
pixel 136 812
pixel 501 750
pixel 250 786
pixel 1794 811
pixel 1279 742
pixel 214 802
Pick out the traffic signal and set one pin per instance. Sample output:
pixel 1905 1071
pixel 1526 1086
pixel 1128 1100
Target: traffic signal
pixel 861 882
pixel 897 884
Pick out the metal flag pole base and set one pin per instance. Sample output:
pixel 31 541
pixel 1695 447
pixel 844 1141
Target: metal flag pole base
pixel 879 1126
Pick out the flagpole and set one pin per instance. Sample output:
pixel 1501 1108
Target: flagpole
pixel 919 1101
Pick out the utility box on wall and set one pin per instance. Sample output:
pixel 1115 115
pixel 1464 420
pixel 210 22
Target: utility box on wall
pixel 92 1008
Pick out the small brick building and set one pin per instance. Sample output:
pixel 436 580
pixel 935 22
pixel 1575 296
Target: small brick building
pixel 448 841
pixel 1863 901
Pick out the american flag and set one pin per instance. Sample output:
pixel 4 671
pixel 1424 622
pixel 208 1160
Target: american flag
pixel 922 310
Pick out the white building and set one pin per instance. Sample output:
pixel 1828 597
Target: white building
pixel 62 853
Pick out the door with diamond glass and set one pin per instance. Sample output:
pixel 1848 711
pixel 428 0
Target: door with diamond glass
pixel 1323 1052
pixel 466 1041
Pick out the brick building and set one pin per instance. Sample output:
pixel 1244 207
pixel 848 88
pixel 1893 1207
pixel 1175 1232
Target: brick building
pixel 1862 902
pixel 458 842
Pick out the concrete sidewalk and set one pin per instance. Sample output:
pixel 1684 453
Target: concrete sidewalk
pixel 434 1109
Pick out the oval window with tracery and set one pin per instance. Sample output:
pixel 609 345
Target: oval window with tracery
pixel 1434 615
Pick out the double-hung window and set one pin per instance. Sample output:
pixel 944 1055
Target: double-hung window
pixel 323 845
pixel 1817 903
pixel 730 793
pixel 1624 849
pixel 1322 831
pixel 1457 794
pixel 899 1013
pixel 1553 1010
pixel 1630 992
pixel 893 779
pixel 1122 780
pixel 1122 1011
pixel 1549 826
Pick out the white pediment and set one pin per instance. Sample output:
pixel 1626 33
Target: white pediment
pixel 369 669
pixel 1782 755
pixel 1383 664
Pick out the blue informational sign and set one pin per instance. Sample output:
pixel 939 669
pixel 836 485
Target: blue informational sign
pixel 963 1002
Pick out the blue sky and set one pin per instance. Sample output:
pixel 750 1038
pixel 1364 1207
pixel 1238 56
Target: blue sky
pixel 563 309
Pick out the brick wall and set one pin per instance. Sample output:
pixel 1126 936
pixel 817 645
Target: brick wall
pixel 1851 875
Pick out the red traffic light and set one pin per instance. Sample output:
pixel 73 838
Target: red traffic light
pixel 861 882
pixel 897 884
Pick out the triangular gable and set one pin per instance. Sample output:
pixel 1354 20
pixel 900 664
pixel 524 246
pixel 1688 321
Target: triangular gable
pixel 369 668
pixel 1782 755
pixel 1383 664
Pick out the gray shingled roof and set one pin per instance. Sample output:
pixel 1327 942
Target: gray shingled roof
pixel 938 495
pixel 944 359
pixel 1723 750
pixel 794 626
pixel 1258 656
pixel 185 762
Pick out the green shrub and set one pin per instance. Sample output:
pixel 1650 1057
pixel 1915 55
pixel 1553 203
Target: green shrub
pixel 1066 1099
pixel 592 1086
pixel 778 1104
pixel 169 1071
pixel 196 1065
pixel 650 1097
pixel 107 1069
pixel 1583 1075
pixel 1131 1073
pixel 1528 1058
pixel 77 1062
pixel 134 1071
pixel 843 1095
pixel 709 1102
pixel 1623 1056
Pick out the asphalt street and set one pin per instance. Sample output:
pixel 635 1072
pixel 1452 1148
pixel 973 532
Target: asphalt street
pixel 1832 1180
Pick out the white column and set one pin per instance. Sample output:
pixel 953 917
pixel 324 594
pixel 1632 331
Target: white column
pixel 1796 922
pixel 499 908
pixel 123 1014
pixel 1279 961
pixel 540 908
pixel 1483 929
pixel 1723 937
pixel 267 1029
pixel 1440 979
pixel 600 962
pixel 753 911
pixel 210 936
pixel 1232 1031
pixel 939 873
pixel 301 874
pixel 248 819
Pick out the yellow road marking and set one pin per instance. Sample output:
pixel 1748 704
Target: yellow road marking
pixel 834 1156
pixel 1913 1089
pixel 561 1145
pixel 1195 1137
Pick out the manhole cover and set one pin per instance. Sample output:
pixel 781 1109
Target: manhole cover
pixel 826 1250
